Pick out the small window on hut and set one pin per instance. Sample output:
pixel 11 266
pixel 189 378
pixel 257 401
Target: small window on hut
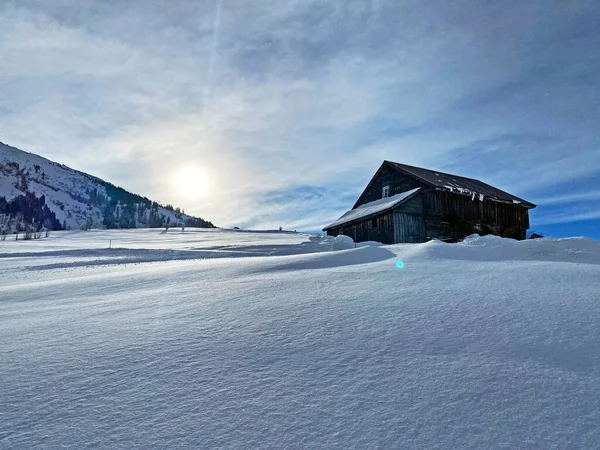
pixel 374 222
pixel 385 192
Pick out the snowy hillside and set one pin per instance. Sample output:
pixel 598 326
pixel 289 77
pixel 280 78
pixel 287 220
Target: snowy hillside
pixel 78 199
pixel 223 339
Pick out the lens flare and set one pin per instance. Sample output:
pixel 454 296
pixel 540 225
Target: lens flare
pixel 400 264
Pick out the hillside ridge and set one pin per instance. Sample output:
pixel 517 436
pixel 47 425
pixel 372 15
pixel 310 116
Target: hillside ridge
pixel 38 192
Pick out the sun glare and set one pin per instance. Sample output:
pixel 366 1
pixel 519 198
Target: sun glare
pixel 191 182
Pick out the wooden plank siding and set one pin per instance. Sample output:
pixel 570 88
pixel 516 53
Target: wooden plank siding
pixel 398 183
pixel 408 228
pixel 413 205
pixel 379 228
pixel 452 216
pixel 408 221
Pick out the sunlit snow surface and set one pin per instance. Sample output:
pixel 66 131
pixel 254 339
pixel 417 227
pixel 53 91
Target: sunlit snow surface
pixel 222 339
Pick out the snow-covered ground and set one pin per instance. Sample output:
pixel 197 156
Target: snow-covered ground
pixel 223 339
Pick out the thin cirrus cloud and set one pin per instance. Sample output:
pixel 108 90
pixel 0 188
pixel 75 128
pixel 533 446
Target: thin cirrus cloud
pixel 570 198
pixel 289 107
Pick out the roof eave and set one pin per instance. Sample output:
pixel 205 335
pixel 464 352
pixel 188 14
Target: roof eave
pixel 369 183
pixel 522 202
pixel 363 218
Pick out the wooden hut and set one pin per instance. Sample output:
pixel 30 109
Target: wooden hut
pixel 403 203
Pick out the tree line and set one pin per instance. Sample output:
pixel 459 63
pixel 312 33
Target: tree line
pixel 31 211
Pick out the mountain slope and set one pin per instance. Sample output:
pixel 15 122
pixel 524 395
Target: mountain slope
pixel 76 199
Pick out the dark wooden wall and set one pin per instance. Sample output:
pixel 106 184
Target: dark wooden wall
pixel 409 225
pixel 383 231
pixel 408 228
pixel 413 205
pixel 451 216
pixel 398 183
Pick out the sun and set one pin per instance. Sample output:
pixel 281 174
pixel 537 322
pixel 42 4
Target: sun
pixel 191 182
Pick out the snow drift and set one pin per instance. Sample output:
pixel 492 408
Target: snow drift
pixel 342 242
pixel 490 343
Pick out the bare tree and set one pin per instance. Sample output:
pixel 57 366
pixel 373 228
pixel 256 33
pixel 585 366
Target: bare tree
pixel 88 224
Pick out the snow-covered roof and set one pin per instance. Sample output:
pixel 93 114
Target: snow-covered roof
pixel 371 208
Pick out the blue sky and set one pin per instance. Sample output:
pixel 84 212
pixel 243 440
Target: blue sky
pixel 287 108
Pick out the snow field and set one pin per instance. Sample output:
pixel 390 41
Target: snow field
pixel 487 344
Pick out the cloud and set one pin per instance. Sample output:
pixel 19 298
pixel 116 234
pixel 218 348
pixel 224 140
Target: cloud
pixel 570 198
pixel 290 107
pixel 570 216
